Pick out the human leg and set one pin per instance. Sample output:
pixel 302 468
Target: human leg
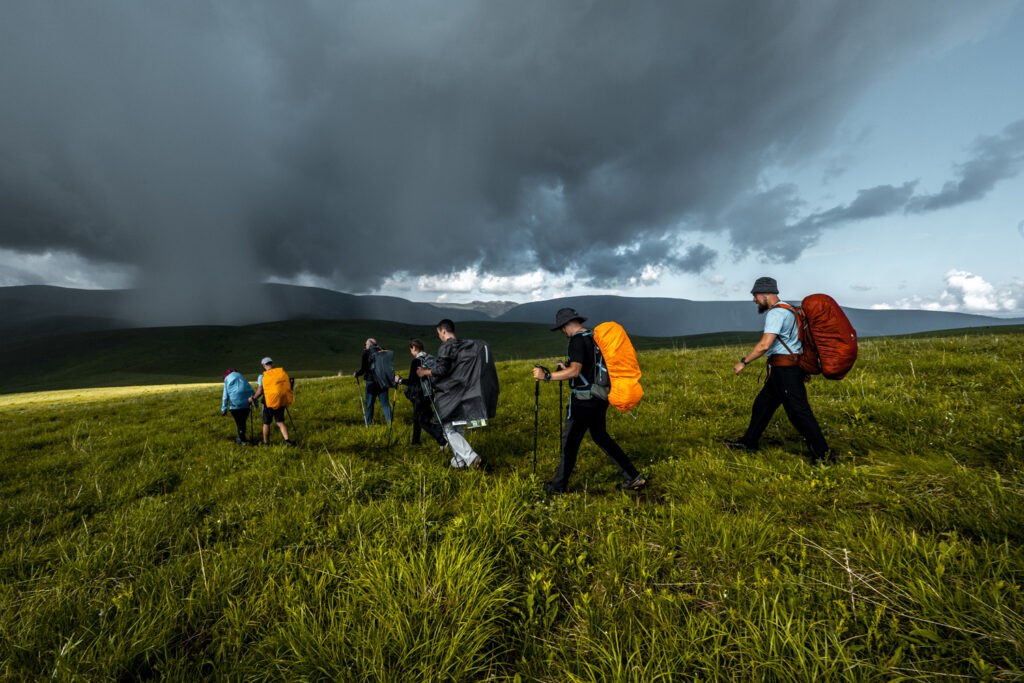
pixel 463 454
pixel 576 423
pixel 604 441
pixel 767 402
pixel 798 409
pixel 241 416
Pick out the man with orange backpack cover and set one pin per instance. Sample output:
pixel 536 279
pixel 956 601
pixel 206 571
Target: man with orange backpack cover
pixel 587 411
pixel 277 395
pixel 785 382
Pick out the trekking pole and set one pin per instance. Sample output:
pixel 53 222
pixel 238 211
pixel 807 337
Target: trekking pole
pixel 252 425
pixel 536 412
pixel 392 404
pixel 362 403
pixel 291 423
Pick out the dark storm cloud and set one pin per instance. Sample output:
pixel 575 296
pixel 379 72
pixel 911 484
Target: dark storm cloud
pixel 996 158
pixel 211 144
pixel 770 221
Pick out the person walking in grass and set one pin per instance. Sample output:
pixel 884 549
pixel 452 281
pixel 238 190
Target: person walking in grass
pixel 417 391
pixel 235 398
pixel 452 374
pixel 271 414
pixel 374 391
pixel 586 412
pixel 785 384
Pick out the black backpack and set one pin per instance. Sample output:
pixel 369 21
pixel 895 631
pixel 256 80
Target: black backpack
pixel 382 367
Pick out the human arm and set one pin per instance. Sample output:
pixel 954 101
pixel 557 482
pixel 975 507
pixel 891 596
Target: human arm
pixel 563 373
pixel 760 348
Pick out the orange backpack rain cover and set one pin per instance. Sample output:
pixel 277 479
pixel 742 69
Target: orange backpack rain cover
pixel 623 368
pixel 277 389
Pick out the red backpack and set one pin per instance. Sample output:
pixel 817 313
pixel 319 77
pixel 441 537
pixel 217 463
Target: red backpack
pixel 829 340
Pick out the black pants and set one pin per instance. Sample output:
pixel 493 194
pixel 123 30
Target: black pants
pixel 422 419
pixel 241 416
pixel 588 415
pixel 785 387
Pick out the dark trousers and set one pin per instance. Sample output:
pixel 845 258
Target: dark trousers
pixel 422 419
pixel 583 416
pixel 241 416
pixel 786 387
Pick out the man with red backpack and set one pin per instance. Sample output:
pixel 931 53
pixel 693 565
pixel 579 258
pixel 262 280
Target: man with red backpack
pixel 785 382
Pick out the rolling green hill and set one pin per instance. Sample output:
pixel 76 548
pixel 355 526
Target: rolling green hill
pixel 306 348
pixel 141 543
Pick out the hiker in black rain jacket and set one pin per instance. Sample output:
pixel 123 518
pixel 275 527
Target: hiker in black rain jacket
pixel 422 413
pixel 373 390
pixel 465 390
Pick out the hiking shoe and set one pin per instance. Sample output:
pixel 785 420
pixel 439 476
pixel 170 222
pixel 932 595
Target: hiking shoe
pixel 737 445
pixel 635 485
pixel 264 443
pixel 241 442
pixel 478 464
pixel 288 442
pixel 553 489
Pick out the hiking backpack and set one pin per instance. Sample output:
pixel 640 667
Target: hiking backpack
pixel 277 389
pixel 829 340
pixel 382 366
pixel 616 369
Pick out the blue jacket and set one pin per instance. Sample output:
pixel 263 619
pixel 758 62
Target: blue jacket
pixel 237 391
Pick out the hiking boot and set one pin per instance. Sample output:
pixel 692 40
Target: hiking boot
pixel 635 484
pixel 737 445
pixel 289 442
pixel 264 443
pixel 241 442
pixel 553 489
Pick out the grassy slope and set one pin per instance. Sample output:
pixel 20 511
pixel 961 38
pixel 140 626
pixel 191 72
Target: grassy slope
pixel 140 542
pixel 306 348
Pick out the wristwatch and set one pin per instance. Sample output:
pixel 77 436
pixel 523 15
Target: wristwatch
pixel 743 360
pixel 547 376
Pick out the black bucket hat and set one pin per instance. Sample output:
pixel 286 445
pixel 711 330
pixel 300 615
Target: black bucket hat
pixel 765 285
pixel 565 315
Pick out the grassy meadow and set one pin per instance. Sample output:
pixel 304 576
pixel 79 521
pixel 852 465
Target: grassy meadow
pixel 141 543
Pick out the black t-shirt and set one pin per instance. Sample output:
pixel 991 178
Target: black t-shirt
pixel 581 350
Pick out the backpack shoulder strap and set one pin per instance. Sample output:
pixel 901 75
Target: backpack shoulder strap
pixel 796 324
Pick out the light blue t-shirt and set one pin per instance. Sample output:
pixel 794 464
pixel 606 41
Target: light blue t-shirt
pixel 782 322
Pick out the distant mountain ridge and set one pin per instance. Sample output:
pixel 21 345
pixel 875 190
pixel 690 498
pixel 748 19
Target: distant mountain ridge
pixel 31 310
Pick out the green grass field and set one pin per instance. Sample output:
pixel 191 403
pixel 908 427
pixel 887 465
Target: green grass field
pixel 141 543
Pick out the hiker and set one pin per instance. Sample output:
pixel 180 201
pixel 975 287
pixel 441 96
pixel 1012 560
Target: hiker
pixel 586 412
pixel 236 398
pixel 458 396
pixel 785 382
pixel 418 391
pixel 374 389
pixel 275 413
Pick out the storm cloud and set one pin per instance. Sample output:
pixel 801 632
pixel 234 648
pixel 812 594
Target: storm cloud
pixel 774 218
pixel 210 145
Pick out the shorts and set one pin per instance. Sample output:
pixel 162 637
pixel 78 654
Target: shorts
pixel 271 414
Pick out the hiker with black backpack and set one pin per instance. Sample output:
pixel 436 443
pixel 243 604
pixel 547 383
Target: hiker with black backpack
pixel 235 398
pixel 785 383
pixel 465 391
pixel 375 388
pixel 275 387
pixel 587 410
pixel 418 391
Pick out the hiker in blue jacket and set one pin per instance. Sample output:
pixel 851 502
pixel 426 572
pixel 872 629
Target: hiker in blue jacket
pixel 236 398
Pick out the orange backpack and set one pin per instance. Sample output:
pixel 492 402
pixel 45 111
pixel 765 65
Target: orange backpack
pixel 277 388
pixel 618 359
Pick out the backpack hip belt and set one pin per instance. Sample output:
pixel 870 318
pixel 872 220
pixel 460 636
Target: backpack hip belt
pixel 784 360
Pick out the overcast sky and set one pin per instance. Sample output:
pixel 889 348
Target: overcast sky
pixel 455 150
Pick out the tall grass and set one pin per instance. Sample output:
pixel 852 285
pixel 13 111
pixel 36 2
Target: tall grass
pixel 141 543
